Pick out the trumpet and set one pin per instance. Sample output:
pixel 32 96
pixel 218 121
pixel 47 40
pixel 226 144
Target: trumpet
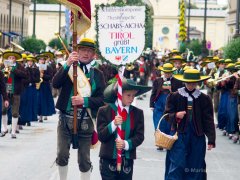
pixel 6 72
pixel 39 84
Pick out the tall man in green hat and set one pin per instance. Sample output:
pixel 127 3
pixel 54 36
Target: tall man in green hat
pixel 190 113
pixel 91 85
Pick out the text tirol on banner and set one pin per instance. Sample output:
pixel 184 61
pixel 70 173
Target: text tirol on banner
pixel 121 33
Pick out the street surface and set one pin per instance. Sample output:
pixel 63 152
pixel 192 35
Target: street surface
pixel 32 155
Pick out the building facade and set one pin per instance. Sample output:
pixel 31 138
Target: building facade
pixel 13 20
pixel 165 22
pixel 231 19
pixel 47 21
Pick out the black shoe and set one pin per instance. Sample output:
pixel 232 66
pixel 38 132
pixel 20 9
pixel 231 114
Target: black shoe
pixel 2 134
pixel 160 149
pixel 28 124
pixel 13 136
pixel 45 118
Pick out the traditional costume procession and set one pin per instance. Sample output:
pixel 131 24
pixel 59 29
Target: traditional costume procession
pixel 100 91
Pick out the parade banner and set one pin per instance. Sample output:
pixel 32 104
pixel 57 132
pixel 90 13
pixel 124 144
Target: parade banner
pixel 121 40
pixel 121 33
pixel 82 10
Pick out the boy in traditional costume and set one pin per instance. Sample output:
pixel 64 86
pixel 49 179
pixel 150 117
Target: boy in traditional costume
pixel 14 75
pixel 91 85
pixel 132 123
pixel 190 113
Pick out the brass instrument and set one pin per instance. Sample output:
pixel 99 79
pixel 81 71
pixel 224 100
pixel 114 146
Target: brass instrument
pixel 64 46
pixel 15 47
pixel 6 72
pixel 39 84
pixel 213 82
pixel 129 67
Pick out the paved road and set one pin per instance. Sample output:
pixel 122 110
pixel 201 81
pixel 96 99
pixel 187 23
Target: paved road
pixel 31 156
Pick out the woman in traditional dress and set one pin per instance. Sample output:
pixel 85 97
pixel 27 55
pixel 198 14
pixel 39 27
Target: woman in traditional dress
pixel 190 113
pixel 45 98
pixel 29 101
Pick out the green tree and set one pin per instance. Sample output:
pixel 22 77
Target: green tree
pixel 56 43
pixel 33 45
pixel 231 50
pixel 194 46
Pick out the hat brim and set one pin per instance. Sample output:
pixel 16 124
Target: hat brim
pixel 49 54
pixel 181 78
pixel 172 60
pixel 167 71
pixel 86 44
pixel 15 54
pixel 110 93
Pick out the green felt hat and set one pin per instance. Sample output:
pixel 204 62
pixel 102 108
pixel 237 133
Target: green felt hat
pixel 6 54
pixel 220 61
pixel 31 58
pixel 227 61
pixel 191 76
pixel 110 93
pixel 230 66
pixel 167 67
pixel 41 56
pixel 177 58
pixel 174 52
pixel 204 63
pixel 48 54
pixel 87 42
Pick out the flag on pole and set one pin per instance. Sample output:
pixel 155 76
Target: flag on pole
pixel 82 9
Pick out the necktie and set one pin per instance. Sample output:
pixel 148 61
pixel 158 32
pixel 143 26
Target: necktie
pixel 124 114
pixel 84 68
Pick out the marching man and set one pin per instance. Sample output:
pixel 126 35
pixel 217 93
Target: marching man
pixel 91 85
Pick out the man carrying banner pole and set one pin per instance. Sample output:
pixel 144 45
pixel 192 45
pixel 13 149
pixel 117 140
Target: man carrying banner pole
pixel 81 95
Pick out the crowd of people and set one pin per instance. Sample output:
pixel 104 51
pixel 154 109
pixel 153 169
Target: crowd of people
pixel 185 88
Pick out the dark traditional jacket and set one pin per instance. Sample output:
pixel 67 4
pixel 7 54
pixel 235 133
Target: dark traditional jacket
pixel 135 131
pixel 47 75
pixel 33 76
pixel 62 80
pixel 202 113
pixel 3 87
pixel 19 74
pixel 157 88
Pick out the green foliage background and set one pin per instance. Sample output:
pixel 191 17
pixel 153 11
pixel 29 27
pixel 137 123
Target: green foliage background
pixel 56 43
pixel 194 46
pixel 33 45
pixel 232 49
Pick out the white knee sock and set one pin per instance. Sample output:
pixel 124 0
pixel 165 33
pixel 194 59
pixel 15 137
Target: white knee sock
pixel 4 123
pixel 14 125
pixel 86 175
pixel 62 171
